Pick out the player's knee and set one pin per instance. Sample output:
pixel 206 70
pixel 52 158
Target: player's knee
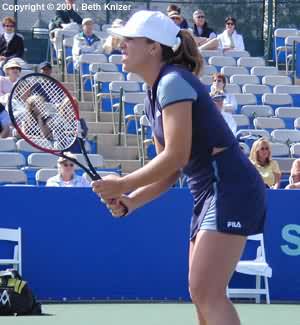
pixel 203 293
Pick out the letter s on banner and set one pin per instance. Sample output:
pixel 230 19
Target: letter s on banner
pixel 291 234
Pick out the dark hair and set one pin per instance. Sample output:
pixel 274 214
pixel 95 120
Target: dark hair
pixel 187 55
pixel 230 18
pixel 173 8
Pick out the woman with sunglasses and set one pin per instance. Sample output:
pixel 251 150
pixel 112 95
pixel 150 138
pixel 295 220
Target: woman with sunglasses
pixel 11 44
pixel 183 23
pixel 205 37
pixel 261 157
pixel 66 176
pixel 230 39
pixel 12 71
pixel 192 137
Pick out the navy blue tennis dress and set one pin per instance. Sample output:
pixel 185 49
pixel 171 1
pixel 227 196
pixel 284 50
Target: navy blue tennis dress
pixel 229 194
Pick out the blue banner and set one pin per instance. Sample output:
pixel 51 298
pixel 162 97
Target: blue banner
pixel 74 249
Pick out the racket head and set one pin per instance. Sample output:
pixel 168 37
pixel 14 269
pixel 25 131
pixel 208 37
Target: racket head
pixel 44 113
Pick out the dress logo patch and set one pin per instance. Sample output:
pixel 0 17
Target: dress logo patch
pixel 234 224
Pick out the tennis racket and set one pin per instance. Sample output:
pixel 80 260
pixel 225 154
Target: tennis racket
pixel 47 117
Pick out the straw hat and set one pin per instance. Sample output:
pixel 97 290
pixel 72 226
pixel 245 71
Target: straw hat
pixel 11 64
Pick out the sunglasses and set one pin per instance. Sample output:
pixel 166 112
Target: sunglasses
pixel 175 18
pixel 200 17
pixel 14 68
pixel 68 165
pixel 9 26
pixel 230 24
pixel 264 149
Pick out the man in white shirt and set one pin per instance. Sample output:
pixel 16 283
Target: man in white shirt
pixel 66 176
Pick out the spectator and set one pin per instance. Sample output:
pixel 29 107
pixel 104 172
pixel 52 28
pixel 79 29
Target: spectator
pixel 66 176
pixel 12 70
pixel 183 23
pixel 294 179
pixel 175 16
pixel 230 39
pixel 45 68
pixel 86 41
pixel 11 44
pixel 112 43
pixel 204 36
pixel 4 122
pixel 218 98
pixel 219 84
pixel 261 157
pixel 65 16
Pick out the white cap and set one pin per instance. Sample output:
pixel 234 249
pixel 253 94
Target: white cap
pixel 87 21
pixel 150 24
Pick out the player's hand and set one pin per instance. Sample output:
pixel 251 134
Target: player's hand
pixel 109 187
pixel 120 207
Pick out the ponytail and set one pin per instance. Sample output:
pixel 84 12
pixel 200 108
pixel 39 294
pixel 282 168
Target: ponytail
pixel 187 55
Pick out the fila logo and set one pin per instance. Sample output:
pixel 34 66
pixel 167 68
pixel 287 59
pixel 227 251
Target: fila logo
pixel 234 224
pixel 4 299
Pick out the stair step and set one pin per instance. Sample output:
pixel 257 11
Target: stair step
pixel 111 140
pixel 127 166
pixel 88 116
pixel 119 153
pixel 86 106
pixel 100 127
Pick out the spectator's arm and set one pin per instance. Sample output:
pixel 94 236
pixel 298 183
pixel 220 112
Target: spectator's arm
pixel 277 181
pixel 277 174
pixel 4 131
pixel 240 43
pixel 75 17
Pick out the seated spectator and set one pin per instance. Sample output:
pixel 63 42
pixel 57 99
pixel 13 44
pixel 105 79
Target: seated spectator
pixel 218 99
pixel 85 42
pixel 204 36
pixel 175 16
pixel 183 23
pixel 45 68
pixel 11 44
pixel 261 157
pixel 219 84
pixel 294 179
pixel 65 16
pixel 66 176
pixel 4 123
pixel 230 39
pixel 67 20
pixel 12 70
pixel 112 43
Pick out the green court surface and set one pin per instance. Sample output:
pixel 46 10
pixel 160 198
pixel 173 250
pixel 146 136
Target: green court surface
pixel 151 314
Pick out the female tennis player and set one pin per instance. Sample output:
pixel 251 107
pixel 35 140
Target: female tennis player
pixel 190 136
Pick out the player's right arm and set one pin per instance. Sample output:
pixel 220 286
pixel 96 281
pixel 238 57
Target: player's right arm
pixel 144 194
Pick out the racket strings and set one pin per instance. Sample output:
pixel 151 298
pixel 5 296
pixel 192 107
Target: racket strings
pixel 44 113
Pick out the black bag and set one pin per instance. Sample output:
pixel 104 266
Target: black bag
pixel 16 297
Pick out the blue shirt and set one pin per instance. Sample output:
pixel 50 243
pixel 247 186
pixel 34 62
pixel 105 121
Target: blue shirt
pixel 175 85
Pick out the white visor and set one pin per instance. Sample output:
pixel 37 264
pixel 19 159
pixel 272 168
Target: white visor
pixel 153 25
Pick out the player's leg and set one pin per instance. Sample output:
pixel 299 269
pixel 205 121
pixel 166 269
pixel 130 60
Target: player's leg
pixel 201 320
pixel 213 261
